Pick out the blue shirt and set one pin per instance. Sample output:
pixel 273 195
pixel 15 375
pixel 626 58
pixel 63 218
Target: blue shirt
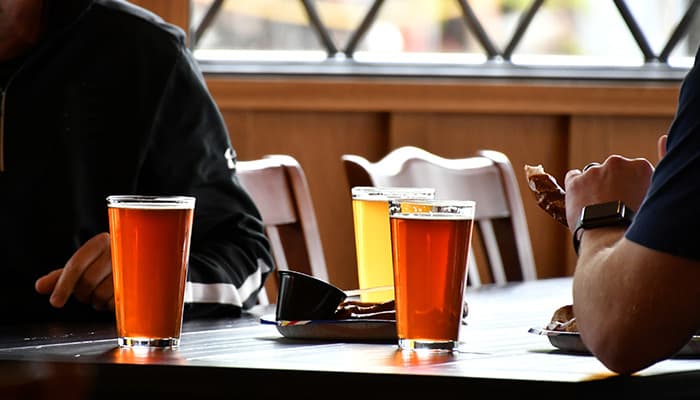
pixel 669 218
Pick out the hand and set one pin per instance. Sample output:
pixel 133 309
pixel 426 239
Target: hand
pixel 87 276
pixel 618 178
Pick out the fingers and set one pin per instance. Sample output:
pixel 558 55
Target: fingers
pixel 85 275
pixel 46 283
pixel 571 174
pixel 98 275
pixel 661 146
pixel 616 178
pixel 103 292
pixel 103 296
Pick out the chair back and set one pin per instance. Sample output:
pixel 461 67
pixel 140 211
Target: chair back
pixel 501 245
pixel 278 186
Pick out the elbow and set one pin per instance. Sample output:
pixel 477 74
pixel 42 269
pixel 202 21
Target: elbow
pixel 620 354
pixel 622 364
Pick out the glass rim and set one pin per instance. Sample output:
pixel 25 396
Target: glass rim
pixel 438 202
pixel 383 193
pixel 163 201
pixel 435 208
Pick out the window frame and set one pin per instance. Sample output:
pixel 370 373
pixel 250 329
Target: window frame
pixel 498 63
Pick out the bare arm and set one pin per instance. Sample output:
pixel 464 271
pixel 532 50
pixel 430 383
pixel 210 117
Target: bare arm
pixel 634 306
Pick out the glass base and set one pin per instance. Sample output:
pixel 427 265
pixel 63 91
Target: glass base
pixel 428 345
pixel 156 343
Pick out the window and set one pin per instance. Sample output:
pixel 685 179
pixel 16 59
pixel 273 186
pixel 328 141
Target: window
pixel 616 39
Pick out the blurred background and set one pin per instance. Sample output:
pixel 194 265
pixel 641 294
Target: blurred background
pixel 554 82
pixel 561 32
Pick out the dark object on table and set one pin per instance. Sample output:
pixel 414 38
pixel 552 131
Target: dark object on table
pixel 303 297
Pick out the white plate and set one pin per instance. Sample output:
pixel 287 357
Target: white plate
pixel 571 342
pixel 356 330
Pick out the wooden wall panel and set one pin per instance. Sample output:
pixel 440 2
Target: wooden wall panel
pixel 593 138
pixel 445 95
pixel 370 117
pixel 316 140
pixel 524 139
pixel 560 124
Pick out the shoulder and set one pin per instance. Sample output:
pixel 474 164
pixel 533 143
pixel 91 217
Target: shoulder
pixel 131 22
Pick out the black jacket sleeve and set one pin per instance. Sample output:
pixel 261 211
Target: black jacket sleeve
pixel 191 153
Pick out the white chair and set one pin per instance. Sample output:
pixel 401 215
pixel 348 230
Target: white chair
pixel 278 186
pixel 501 243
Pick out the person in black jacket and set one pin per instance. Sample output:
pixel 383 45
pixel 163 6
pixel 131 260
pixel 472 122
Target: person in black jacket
pixel 100 97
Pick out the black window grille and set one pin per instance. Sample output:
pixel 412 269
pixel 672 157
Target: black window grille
pixel 340 58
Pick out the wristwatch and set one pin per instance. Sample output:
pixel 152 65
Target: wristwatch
pixel 612 213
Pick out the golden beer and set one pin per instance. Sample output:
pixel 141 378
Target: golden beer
pixel 373 239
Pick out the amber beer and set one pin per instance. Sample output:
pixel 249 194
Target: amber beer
pixel 370 206
pixel 430 248
pixel 150 239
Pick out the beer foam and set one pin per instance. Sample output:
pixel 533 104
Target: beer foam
pixel 381 193
pixel 151 202
pixel 436 216
pixel 153 206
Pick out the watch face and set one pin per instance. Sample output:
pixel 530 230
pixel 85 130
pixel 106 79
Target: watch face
pixel 602 210
pixel 606 214
pixel 613 213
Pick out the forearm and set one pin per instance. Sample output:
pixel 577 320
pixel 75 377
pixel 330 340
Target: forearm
pixel 593 281
pixel 602 310
pixel 618 287
pixel 596 243
pixel 613 282
pixel 226 275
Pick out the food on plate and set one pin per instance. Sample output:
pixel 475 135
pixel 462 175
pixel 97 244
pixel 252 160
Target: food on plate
pixel 351 309
pixel 549 195
pixel 563 320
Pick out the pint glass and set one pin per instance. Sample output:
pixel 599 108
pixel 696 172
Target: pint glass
pixel 430 244
pixel 370 207
pixel 150 244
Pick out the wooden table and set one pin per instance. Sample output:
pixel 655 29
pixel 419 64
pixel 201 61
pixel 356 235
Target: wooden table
pixel 242 357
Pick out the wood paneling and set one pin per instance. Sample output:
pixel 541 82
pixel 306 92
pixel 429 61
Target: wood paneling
pixel 316 140
pixel 524 139
pixel 442 95
pixel 595 138
pixel 561 126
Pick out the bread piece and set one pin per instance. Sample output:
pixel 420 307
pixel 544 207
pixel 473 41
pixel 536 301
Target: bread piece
pixel 366 310
pixel 549 195
pixel 563 320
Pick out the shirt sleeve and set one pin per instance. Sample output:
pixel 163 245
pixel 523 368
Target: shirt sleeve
pixel 668 218
pixel 191 153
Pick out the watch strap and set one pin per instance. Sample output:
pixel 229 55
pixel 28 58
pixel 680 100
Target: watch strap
pixel 616 214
